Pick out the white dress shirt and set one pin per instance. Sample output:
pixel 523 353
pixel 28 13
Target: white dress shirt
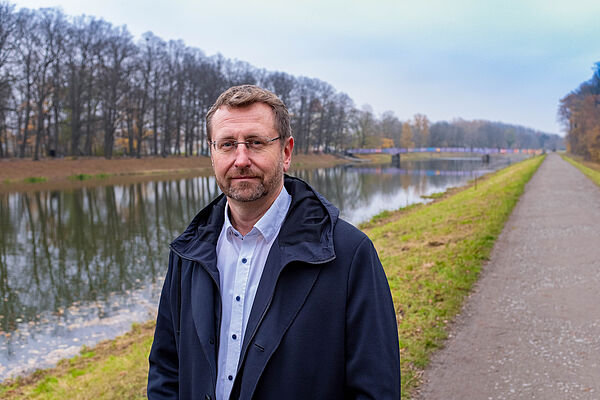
pixel 240 261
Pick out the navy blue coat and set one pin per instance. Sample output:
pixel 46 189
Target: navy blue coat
pixel 322 325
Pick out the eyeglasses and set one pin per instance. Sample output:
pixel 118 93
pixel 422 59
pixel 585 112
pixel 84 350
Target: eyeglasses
pixel 255 144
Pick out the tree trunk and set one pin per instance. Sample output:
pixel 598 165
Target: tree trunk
pixel 3 135
pixel 40 128
pixel 130 131
pixel 26 125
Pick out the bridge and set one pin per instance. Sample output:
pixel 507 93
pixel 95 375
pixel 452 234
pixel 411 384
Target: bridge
pixel 485 152
pixel 471 150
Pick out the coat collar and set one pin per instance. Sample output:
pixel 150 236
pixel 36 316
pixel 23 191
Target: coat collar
pixel 306 234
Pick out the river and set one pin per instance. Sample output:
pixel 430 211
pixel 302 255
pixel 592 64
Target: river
pixel 79 266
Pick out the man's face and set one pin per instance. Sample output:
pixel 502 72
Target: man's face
pixel 245 175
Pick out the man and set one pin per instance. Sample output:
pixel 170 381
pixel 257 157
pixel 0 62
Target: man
pixel 268 294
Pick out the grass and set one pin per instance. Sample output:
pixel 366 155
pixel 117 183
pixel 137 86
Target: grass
pixel 34 179
pixel 114 369
pixel 436 195
pixel 433 254
pixel 590 169
pixel 85 177
pixel 80 177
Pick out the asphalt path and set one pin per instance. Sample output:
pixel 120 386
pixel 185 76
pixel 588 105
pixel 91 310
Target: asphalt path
pixel 531 327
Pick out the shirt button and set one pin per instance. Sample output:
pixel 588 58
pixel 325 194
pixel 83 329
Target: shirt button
pixel 244 260
pixel 237 298
pixel 234 336
pixel 230 377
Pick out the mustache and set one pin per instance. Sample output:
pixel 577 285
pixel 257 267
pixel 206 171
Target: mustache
pixel 243 173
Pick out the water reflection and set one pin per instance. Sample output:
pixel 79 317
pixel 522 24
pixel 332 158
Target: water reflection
pixel 81 265
pixel 69 258
pixel 361 192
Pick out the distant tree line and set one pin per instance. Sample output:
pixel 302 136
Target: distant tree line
pixel 388 131
pixel 79 86
pixel 579 113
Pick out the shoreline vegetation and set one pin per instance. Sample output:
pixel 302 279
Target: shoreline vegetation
pixel 432 254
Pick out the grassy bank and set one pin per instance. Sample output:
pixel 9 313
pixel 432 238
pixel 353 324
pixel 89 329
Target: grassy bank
pixel 590 169
pixel 432 255
pixel 114 369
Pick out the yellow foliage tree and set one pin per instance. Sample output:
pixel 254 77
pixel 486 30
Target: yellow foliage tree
pixel 406 139
pixel 387 143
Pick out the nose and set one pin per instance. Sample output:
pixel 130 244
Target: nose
pixel 242 159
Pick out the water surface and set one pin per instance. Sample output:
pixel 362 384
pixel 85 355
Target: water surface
pixel 78 266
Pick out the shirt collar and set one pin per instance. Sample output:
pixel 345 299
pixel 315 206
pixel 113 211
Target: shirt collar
pixel 227 227
pixel 270 223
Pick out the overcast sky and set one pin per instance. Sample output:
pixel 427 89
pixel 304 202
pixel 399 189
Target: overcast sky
pixel 508 61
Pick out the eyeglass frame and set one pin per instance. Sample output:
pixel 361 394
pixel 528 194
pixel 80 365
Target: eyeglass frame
pixel 238 142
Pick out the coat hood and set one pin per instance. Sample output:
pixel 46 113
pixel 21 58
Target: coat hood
pixel 306 234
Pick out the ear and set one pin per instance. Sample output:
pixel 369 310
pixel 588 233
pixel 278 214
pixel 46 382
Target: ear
pixel 287 153
pixel 210 152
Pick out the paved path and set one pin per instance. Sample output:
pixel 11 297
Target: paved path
pixel 531 328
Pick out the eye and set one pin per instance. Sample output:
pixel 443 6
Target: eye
pixel 225 145
pixel 257 143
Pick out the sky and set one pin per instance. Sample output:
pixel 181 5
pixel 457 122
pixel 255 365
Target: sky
pixel 509 61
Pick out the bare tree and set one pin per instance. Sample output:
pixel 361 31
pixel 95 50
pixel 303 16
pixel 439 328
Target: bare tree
pixel 282 85
pixel 7 29
pixel 118 48
pixel 390 127
pixel 48 40
pixel 27 58
pixel 79 57
pixel 365 127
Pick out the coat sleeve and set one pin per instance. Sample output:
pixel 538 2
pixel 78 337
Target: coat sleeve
pixel 372 348
pixel 163 374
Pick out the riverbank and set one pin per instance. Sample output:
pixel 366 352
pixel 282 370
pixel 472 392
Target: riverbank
pixel 431 253
pixel 23 175
pixel 17 175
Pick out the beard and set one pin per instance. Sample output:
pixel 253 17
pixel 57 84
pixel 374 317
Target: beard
pixel 251 191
